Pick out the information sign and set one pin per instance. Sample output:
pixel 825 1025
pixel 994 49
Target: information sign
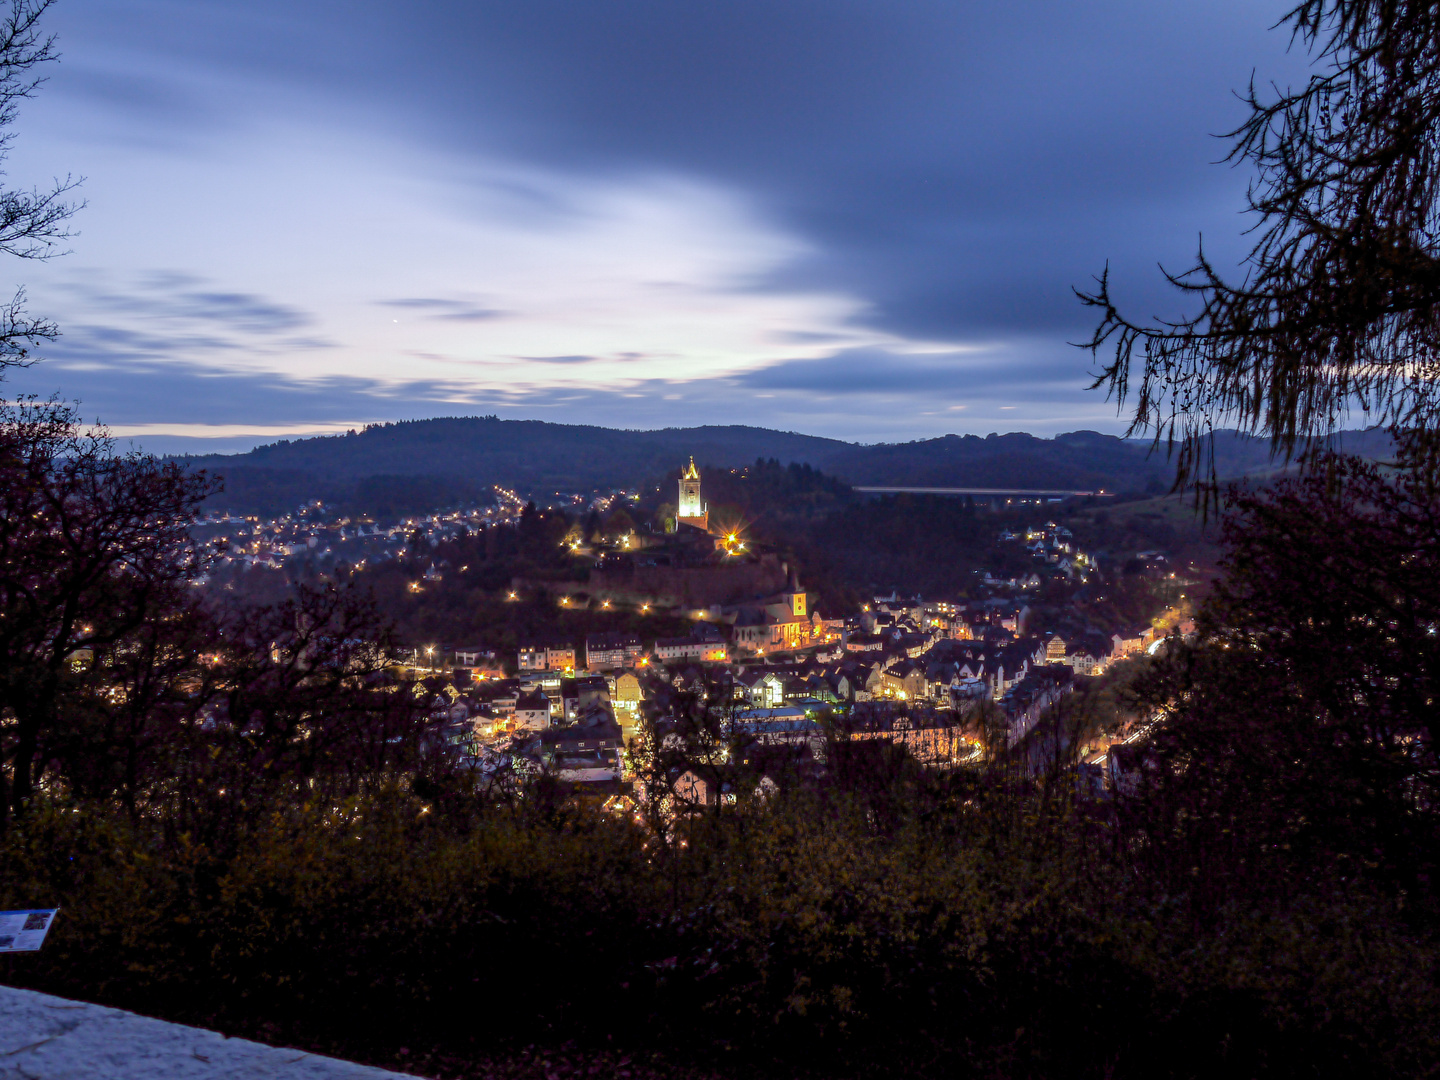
pixel 24 931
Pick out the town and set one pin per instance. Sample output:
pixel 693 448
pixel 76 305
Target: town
pixel 952 680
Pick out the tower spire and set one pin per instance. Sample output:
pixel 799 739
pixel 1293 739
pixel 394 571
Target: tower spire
pixel 691 509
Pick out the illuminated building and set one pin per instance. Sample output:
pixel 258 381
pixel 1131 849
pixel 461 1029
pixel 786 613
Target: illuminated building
pixel 690 510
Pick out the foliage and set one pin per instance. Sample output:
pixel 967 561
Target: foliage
pixel 1337 306
pixel 768 492
pixel 1300 734
pixel 472 602
pixel 924 544
pixel 966 936
pixel 256 834
pixel 94 548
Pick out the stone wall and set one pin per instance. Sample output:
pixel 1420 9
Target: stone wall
pixel 697 587
pixel 50 1038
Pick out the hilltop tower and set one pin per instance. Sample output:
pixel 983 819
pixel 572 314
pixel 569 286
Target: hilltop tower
pixel 689 509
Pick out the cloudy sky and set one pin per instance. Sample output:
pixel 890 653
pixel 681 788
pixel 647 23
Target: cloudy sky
pixel 855 218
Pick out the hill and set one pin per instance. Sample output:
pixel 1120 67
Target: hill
pixel 413 466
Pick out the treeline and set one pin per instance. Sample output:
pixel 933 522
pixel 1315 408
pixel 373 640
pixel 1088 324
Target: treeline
pixel 472 603
pixel 529 456
pixel 927 544
pixel 771 495
pixel 122 683
pixel 270 493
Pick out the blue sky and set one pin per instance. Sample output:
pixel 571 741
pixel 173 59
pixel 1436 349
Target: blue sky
pixel 860 220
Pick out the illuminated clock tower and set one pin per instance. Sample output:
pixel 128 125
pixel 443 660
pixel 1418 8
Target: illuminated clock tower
pixel 690 510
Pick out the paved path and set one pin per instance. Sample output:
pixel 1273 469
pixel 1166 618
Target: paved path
pixel 51 1038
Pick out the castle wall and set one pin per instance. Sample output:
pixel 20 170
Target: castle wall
pixel 698 586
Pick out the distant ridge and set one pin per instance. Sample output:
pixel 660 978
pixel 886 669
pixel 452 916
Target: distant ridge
pixel 533 455
pixel 430 463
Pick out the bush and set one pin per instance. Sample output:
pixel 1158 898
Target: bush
pixel 782 938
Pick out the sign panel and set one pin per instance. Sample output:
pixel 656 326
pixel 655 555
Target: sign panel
pixel 24 931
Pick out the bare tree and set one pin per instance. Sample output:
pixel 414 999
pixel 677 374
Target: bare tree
pixel 1338 305
pixel 34 222
pixel 92 546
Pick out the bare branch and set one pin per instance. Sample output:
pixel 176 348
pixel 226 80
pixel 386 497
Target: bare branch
pixel 1337 313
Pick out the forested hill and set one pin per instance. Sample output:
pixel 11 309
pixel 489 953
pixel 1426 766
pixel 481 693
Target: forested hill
pixel 1076 460
pixel 413 466
pixel 524 454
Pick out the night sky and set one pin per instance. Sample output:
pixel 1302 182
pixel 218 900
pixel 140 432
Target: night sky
pixel 855 219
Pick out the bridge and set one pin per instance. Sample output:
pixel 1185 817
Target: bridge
pixel 988 493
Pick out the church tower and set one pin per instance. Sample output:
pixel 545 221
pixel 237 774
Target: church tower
pixel 690 510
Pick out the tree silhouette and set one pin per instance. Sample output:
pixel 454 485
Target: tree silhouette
pixel 33 222
pixel 1338 305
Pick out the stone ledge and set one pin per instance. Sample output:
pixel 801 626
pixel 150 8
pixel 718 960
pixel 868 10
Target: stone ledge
pixel 51 1038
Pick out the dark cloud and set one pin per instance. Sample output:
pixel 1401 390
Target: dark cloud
pixel 172 297
pixel 169 317
pixel 128 395
pixel 446 310
pixel 961 166
pixel 559 359
pixel 956 167
pixel 1032 370
pixel 239 311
